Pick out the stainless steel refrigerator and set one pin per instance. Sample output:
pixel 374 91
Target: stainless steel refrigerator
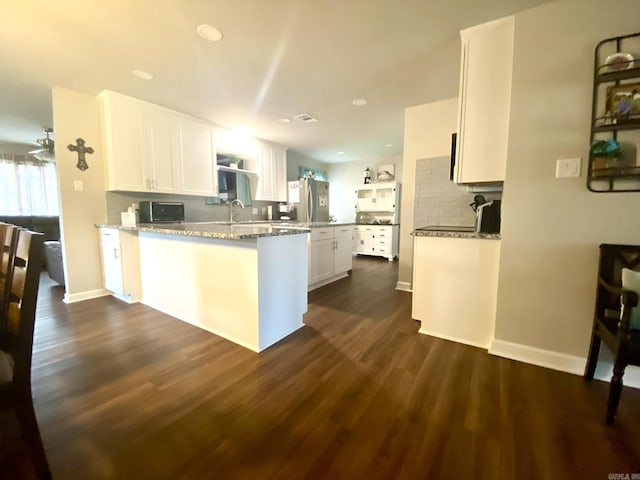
pixel 310 200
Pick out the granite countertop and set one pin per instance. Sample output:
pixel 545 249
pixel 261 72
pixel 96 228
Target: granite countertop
pixel 219 230
pixel 377 224
pixel 226 230
pixel 318 224
pixel 453 232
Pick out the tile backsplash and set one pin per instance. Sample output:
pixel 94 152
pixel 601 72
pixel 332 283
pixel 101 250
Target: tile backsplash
pixel 195 208
pixel 439 201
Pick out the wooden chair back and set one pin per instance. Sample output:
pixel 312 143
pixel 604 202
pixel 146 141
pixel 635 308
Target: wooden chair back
pixel 612 319
pixel 17 343
pixel 613 258
pixel 21 312
pixel 8 242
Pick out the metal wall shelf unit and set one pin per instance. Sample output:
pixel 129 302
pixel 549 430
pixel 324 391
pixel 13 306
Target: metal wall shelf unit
pixel 616 114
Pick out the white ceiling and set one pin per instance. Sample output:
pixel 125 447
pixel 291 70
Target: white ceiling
pixel 278 58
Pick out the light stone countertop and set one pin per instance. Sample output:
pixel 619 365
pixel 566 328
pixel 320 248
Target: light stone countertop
pixel 225 230
pixel 469 232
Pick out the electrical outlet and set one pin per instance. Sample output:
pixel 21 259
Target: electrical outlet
pixel 264 210
pixel 254 210
pixel 78 185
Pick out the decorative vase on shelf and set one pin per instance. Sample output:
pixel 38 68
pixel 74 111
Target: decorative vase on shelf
pixel 605 154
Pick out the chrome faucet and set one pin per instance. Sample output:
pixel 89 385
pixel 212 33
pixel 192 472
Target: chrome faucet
pixel 234 201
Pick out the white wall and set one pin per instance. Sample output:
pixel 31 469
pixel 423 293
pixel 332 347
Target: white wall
pixel 295 160
pixel 343 178
pixel 427 134
pixel 77 115
pixel 551 228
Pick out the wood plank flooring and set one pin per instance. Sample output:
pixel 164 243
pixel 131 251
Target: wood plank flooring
pixel 124 392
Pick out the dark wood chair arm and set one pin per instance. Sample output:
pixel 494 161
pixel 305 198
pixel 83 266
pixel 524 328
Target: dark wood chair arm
pixel 629 298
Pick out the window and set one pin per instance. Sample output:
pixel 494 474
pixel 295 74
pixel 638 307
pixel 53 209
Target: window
pixel 27 186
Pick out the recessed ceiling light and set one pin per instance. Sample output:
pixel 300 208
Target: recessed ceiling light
pixel 284 120
pixel 340 153
pixel 359 102
pixel 209 32
pixel 388 145
pixel 142 74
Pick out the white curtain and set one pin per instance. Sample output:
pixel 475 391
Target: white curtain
pixel 28 186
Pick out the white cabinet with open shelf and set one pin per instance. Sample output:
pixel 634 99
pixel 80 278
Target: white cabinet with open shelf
pixel 378 214
pixel 378 197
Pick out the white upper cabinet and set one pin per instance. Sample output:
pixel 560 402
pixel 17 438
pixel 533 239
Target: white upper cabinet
pixel 198 159
pixel 162 150
pixel 124 143
pixel 153 149
pixel 271 166
pixel 484 102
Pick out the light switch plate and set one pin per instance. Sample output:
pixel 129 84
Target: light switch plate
pixel 78 185
pixel 568 167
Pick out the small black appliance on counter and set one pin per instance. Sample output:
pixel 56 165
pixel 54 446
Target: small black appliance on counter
pixel 161 212
pixel 487 214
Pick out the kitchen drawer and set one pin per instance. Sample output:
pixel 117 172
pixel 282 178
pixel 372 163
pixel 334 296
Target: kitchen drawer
pixel 109 235
pixel 382 242
pixel 325 233
pixel 343 232
pixel 382 249
pixel 364 229
pixel 383 231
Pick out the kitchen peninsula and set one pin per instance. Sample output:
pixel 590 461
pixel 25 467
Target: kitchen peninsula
pixel 244 282
pixel 455 283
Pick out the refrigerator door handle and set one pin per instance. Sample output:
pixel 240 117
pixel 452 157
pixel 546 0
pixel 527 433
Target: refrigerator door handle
pixel 309 204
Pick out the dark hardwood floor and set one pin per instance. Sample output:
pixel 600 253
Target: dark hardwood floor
pixel 124 392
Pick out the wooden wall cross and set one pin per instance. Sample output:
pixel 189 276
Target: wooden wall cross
pixel 82 150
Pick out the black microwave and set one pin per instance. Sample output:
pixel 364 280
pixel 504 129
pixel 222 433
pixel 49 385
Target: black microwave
pixel 161 212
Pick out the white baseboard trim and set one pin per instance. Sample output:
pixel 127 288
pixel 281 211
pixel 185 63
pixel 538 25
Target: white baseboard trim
pixel 125 298
pixel 82 296
pixel 404 287
pixel 453 339
pixel 562 361
pixel 327 281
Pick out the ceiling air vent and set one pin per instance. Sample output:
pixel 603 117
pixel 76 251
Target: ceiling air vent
pixel 306 118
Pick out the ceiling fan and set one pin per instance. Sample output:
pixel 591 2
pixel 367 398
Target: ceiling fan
pixel 46 151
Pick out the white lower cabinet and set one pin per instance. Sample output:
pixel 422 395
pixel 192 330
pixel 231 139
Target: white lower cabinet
pixel 455 288
pixel 329 254
pixel 121 264
pixel 377 240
